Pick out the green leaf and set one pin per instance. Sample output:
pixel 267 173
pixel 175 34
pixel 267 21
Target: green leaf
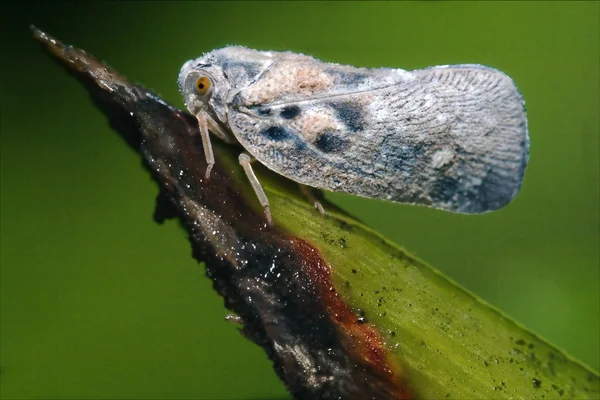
pixel 450 343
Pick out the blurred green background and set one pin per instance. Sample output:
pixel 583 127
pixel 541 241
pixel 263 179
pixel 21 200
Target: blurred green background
pixel 98 301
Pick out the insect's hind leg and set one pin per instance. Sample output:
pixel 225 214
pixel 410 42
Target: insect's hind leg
pixel 308 193
pixel 245 161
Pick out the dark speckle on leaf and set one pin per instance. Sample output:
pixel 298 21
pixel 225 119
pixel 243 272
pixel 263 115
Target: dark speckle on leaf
pixel 536 383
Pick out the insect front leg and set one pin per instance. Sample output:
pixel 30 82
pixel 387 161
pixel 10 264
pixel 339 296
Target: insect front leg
pixel 208 151
pixel 310 196
pixel 245 161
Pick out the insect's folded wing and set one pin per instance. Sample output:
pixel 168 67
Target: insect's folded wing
pixel 449 137
pixel 479 116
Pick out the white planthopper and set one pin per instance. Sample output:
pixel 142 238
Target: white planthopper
pixel 452 137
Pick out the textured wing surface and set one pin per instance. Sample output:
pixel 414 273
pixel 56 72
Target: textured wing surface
pixel 451 137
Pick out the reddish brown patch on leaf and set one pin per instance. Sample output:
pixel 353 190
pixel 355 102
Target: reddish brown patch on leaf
pixel 361 339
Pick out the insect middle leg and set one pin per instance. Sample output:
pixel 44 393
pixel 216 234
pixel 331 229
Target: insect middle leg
pixel 245 161
pixel 308 193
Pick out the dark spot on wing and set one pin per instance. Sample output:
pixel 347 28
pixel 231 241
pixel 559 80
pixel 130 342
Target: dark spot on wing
pixel 290 112
pixel 329 142
pixel 264 111
pixel 346 78
pixel 402 158
pixel 351 114
pixel 238 70
pixel 251 68
pixel 525 155
pixel 237 103
pixel 276 133
pixel 444 189
pixel 495 191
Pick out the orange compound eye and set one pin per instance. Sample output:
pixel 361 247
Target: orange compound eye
pixel 203 85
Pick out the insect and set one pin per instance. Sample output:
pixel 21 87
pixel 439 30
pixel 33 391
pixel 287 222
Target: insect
pixel 452 137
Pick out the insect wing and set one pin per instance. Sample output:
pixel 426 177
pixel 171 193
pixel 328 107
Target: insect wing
pixel 451 137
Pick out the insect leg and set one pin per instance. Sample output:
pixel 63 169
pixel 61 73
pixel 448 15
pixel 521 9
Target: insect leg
pixel 308 193
pixel 245 161
pixel 208 152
